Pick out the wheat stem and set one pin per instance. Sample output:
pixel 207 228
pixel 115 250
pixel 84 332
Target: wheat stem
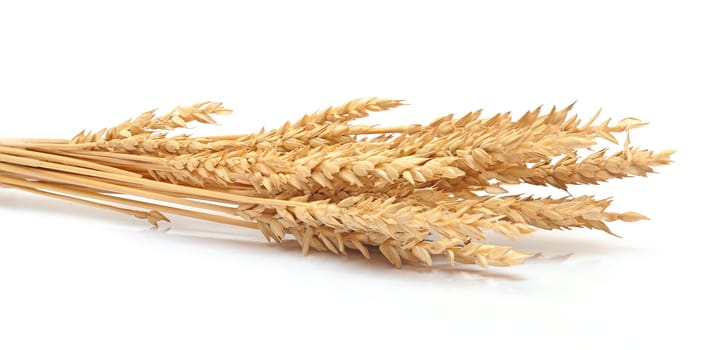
pixel 88 194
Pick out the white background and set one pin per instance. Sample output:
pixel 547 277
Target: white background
pixel 74 277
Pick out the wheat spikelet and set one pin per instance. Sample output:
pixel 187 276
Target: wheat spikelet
pixel 409 191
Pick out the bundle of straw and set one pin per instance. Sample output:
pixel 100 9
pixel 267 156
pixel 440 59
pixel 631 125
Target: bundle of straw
pixel 412 191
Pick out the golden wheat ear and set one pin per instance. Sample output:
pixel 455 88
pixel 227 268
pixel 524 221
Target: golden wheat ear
pixel 412 192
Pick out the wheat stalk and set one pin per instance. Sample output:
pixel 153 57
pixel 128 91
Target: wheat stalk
pixel 411 191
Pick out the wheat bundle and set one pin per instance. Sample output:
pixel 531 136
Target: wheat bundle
pixel 412 191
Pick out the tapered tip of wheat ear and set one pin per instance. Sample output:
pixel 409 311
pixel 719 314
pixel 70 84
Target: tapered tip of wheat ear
pixel 413 192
